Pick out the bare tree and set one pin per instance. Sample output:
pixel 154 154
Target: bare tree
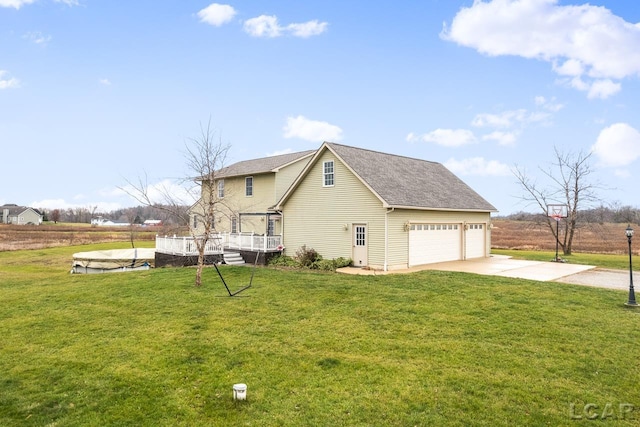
pixel 569 183
pixel 205 155
pixel 55 216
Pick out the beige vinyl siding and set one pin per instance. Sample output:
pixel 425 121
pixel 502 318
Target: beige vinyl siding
pixel 235 201
pixel 322 212
pixel 286 175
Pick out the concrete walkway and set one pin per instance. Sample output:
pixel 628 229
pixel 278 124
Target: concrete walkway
pixel 505 266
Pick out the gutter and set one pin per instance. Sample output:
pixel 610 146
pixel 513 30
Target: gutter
pixel 386 239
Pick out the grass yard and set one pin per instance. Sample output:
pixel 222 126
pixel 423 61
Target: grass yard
pixel 315 349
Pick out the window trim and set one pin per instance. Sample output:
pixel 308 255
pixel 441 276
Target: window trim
pixel 221 188
pixel 247 187
pixel 328 176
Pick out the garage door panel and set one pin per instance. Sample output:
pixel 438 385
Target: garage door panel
pixel 430 243
pixel 475 236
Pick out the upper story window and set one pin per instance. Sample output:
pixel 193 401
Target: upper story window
pixel 221 188
pixel 248 186
pixel 327 173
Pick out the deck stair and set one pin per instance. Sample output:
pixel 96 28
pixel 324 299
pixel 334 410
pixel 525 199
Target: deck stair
pixel 233 258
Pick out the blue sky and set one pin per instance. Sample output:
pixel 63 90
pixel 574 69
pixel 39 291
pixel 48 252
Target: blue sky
pixel 95 93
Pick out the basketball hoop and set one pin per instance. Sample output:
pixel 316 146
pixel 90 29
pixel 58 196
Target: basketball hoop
pixel 557 212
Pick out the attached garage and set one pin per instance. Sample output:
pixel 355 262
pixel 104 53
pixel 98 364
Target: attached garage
pixel 429 243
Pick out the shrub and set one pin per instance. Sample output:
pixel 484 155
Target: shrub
pixel 342 262
pixel 307 257
pixel 283 261
pixel 324 264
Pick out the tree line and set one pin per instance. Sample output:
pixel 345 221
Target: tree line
pixel 130 215
pixel 599 215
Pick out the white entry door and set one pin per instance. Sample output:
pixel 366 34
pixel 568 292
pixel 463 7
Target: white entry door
pixel 359 245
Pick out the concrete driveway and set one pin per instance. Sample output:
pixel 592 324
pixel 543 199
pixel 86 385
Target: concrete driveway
pixel 505 266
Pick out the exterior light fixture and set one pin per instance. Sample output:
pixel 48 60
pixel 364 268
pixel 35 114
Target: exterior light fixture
pixel 632 296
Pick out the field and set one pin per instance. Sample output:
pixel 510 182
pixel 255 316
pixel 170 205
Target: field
pixel 422 349
pixel 505 234
pixel 15 237
pixel 592 238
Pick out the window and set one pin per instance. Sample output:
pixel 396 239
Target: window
pixel 195 221
pixel 270 227
pixel 248 186
pixel 221 188
pixel 234 225
pixel 327 172
pixel 360 235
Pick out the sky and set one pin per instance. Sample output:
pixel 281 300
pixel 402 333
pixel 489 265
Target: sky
pixel 96 94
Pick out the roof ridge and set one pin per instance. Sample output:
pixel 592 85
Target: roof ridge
pixel 381 152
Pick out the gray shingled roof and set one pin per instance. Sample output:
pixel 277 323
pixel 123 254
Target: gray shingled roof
pixel 262 165
pixel 15 209
pixel 407 182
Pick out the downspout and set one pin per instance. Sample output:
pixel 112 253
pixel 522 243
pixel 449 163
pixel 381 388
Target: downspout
pixel 386 238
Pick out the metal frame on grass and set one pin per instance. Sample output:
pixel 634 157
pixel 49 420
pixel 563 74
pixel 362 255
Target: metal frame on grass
pixel 253 270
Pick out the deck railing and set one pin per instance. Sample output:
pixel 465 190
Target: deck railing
pixel 218 242
pixel 185 246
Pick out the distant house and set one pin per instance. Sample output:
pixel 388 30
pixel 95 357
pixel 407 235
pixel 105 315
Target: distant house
pixel 152 223
pixel 20 215
pixel 103 222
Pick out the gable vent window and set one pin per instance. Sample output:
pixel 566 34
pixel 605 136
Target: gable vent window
pixel 248 186
pixel 328 174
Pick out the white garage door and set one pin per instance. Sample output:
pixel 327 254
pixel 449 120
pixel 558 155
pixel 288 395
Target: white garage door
pixel 429 243
pixel 475 241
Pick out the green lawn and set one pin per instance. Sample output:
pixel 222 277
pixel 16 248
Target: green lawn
pixel 315 349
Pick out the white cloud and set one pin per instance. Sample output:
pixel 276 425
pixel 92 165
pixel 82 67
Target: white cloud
pixel 311 130
pixel 617 145
pixel 37 37
pixel 477 166
pixel 307 29
pixel 105 82
pixel 16 4
pixel 508 119
pixel 548 104
pixel 268 26
pixel 603 89
pixel 8 82
pixel 502 138
pixel 580 41
pixel 280 152
pixel 216 14
pixel 263 26
pixel 446 137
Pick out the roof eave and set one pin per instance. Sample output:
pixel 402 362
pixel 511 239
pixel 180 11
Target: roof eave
pixel 424 208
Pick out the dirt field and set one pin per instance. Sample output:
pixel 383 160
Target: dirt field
pixel 596 238
pixel 15 237
pixel 592 238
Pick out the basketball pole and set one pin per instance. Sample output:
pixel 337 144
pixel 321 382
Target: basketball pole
pixel 557 236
